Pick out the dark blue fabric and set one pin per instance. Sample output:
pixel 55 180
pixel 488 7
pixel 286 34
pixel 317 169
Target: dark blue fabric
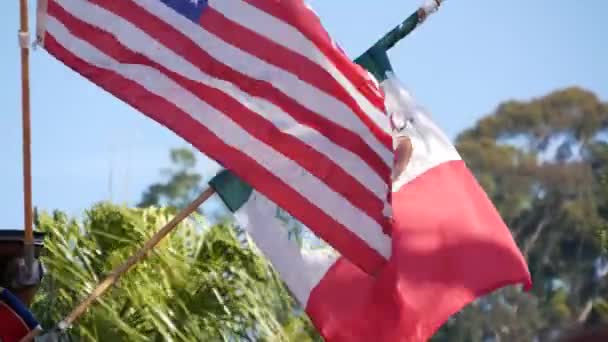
pixel 15 304
pixel 191 9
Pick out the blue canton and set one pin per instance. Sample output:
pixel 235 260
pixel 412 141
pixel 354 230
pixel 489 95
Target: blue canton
pixel 191 9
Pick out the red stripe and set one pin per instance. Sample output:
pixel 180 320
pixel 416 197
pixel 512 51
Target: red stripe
pixel 295 13
pixel 167 114
pixel 184 46
pixel 278 55
pixel 312 160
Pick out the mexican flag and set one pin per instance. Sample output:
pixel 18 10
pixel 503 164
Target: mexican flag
pixel 449 243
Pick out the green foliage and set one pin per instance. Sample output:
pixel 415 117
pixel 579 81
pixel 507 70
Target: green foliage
pixel 544 164
pixel 509 315
pixel 601 192
pixel 182 185
pixel 571 110
pixel 199 284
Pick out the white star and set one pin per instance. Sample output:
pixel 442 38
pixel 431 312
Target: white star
pixel 195 2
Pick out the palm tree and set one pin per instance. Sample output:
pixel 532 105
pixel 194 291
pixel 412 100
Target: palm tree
pixel 200 284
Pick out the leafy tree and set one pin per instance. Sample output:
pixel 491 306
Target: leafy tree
pixel 182 186
pixel 543 163
pixel 198 285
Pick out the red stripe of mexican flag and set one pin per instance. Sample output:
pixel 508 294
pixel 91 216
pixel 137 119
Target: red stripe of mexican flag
pixel 449 245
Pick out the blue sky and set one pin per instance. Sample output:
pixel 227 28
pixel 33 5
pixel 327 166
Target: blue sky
pixel 465 60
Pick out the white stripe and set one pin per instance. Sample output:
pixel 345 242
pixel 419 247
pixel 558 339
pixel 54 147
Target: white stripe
pixel 137 40
pixel 301 269
pixel 290 37
pixel 233 135
pixel 303 93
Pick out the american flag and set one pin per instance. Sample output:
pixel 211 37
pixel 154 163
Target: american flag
pixel 257 85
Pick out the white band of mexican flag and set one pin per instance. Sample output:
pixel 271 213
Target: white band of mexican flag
pixel 269 226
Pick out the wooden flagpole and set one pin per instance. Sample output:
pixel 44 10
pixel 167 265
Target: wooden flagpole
pixel 134 259
pixel 25 107
pixel 28 238
pixel 31 335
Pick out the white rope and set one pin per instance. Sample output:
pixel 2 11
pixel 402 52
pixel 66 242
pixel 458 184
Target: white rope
pixel 24 39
